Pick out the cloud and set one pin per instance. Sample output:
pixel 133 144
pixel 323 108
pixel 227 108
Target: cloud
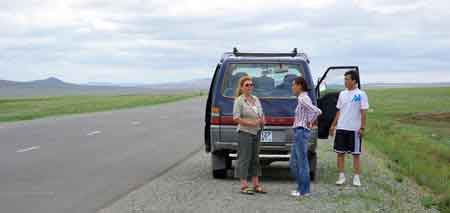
pixel 138 40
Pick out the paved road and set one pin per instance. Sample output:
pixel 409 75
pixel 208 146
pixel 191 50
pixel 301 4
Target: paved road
pixel 84 162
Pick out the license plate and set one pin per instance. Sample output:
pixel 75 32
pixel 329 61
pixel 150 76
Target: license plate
pixel 266 136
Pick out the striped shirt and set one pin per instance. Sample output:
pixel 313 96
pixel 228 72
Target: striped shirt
pixel 305 111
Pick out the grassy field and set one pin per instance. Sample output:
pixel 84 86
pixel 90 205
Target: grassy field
pixel 32 108
pixel 411 128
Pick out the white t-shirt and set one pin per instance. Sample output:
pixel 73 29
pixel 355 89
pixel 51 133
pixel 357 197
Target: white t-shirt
pixel 350 103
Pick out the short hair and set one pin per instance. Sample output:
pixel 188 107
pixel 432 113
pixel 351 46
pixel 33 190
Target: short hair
pixel 353 75
pixel 302 82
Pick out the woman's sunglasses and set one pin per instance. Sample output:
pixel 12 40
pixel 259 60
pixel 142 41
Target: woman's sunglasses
pixel 248 85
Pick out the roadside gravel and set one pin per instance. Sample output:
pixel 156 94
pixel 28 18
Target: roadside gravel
pixel 189 187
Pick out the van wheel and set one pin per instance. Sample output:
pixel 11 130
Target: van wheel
pixel 265 163
pixel 312 158
pixel 228 162
pixel 220 163
pixel 220 173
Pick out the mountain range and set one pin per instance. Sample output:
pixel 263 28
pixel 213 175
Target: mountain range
pixel 55 87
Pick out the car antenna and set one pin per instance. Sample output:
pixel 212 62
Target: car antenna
pixel 235 50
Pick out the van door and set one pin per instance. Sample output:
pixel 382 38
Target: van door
pixel 273 85
pixel 207 134
pixel 327 93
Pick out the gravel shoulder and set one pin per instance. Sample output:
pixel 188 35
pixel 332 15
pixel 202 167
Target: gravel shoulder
pixel 189 187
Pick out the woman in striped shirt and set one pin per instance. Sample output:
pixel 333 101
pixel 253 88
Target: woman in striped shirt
pixel 305 117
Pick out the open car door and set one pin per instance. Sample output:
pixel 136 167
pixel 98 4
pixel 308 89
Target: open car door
pixel 327 93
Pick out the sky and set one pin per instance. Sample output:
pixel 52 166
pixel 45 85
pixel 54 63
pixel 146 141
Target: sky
pixel 154 41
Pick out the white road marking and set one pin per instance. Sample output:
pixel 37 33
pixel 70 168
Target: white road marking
pixel 94 133
pixel 28 149
pixel 49 194
pixel 135 123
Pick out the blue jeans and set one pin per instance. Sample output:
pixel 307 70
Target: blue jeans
pixel 298 163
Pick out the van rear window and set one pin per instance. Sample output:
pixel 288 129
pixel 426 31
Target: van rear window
pixel 271 80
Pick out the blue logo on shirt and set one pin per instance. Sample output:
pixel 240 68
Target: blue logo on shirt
pixel 356 98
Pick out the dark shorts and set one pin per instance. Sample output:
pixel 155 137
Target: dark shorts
pixel 347 141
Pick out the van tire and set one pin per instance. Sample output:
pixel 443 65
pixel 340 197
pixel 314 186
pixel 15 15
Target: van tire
pixel 219 173
pixel 228 162
pixel 312 159
pixel 221 162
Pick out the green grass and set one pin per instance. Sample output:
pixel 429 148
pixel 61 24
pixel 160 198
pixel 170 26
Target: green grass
pixel 16 109
pixel 411 127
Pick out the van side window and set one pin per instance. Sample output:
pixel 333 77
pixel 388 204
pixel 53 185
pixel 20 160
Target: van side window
pixel 271 80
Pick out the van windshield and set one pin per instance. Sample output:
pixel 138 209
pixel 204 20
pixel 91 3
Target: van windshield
pixel 271 80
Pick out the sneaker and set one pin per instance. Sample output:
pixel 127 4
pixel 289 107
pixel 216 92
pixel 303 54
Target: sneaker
pixel 295 193
pixel 356 181
pixel 341 180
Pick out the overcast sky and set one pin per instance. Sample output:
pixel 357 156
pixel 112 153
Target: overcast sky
pixel 148 41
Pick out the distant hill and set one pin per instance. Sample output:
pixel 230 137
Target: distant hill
pixel 45 83
pixel 200 84
pixel 5 83
pixel 56 87
pixel 50 82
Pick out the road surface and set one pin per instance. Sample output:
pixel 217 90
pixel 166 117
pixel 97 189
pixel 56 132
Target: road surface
pixel 82 163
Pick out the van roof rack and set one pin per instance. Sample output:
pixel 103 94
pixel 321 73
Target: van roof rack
pixel 292 54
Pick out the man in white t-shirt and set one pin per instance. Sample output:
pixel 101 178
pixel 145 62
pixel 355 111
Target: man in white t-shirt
pixel 348 126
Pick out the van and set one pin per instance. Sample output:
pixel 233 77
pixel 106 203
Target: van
pixel 272 75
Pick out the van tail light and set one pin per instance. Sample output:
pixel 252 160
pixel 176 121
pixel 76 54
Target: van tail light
pixel 216 119
pixel 215 111
pixel 279 121
pixel 215 115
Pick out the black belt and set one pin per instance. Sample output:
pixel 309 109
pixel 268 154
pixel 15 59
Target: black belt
pixel 300 127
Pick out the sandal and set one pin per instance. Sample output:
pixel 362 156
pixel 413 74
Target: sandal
pixel 247 190
pixel 259 189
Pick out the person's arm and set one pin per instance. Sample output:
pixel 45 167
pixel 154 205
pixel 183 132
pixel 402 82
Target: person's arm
pixel 363 122
pixel 262 119
pixel 307 104
pixel 364 108
pixel 333 125
pixel 246 122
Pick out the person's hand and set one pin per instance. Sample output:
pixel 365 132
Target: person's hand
pixel 312 123
pixel 332 130
pixel 262 121
pixel 361 132
pixel 255 123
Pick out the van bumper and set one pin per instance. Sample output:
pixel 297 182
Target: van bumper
pixel 224 138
